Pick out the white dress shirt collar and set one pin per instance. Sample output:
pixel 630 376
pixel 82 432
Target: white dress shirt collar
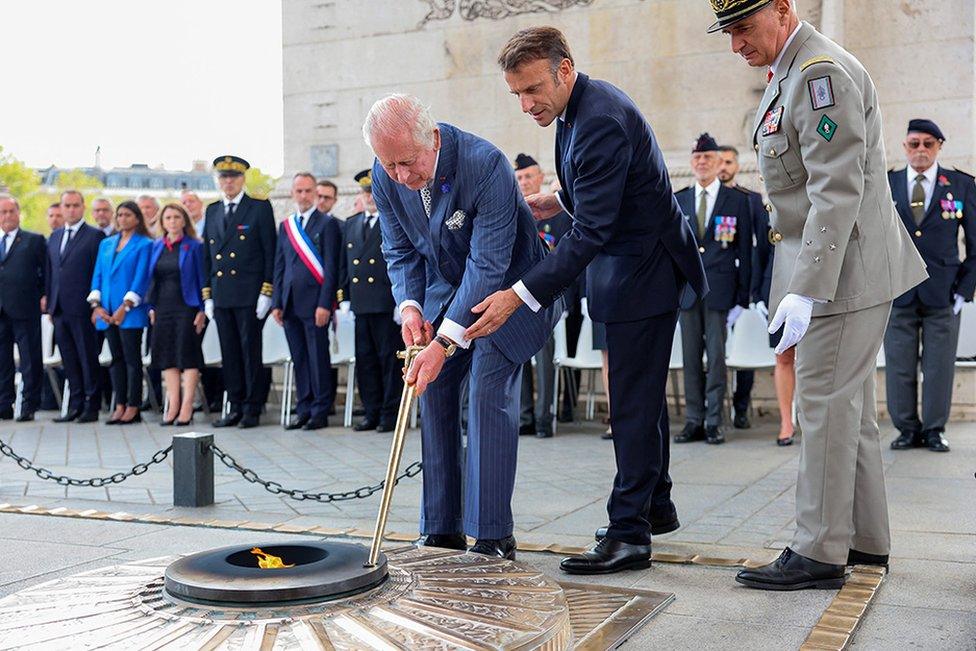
pixel 236 200
pixel 11 236
pixel 928 184
pixel 786 45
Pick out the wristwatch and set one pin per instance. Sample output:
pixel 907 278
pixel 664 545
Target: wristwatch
pixel 448 345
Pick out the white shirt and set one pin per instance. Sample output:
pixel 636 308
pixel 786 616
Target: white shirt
pixel 786 45
pixel 74 233
pixel 711 193
pixel 928 183
pixel 200 224
pixel 236 201
pixel 5 244
pixel 371 218
pixel 303 216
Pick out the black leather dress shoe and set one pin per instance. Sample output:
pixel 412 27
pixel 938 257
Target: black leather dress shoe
pixel 935 441
pixel 500 548
pixel 527 430
pixel 793 572
pixel 364 425
pixel 67 418
pixel 855 557
pixel 320 422
pixel 607 557
pixel 25 417
pixel 741 420
pixel 908 439
pixel 297 422
pixel 6 414
pixel 543 434
pixel 248 421
pixel 713 435
pixel 444 541
pixel 382 428
pixel 659 526
pixel 88 417
pixel 690 433
pixel 231 419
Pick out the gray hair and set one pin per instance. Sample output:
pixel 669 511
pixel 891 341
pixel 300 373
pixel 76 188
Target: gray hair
pixel 148 197
pixel 101 200
pixel 399 113
pixel 304 175
pixel 8 197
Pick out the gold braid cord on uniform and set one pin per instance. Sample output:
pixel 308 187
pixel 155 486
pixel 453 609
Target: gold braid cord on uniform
pixel 205 292
pixel 267 289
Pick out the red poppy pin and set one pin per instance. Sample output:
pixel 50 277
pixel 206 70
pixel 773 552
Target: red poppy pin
pixel 943 181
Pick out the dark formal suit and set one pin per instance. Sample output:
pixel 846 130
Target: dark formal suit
pixel 478 238
pixel 641 262
pixel 22 270
pixel 366 285
pixel 298 293
pixel 922 316
pixel 760 228
pixel 238 263
pixel 68 283
pixel 726 251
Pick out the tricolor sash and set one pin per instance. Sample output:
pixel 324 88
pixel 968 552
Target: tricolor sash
pixel 303 247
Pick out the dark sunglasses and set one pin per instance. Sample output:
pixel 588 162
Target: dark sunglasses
pixel 928 144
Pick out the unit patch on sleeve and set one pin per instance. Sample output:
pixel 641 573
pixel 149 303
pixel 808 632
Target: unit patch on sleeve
pixel 827 128
pixel 821 93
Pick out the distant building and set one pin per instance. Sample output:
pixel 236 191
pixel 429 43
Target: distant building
pixel 139 179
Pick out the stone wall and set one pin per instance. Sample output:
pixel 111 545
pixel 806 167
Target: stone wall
pixel 341 55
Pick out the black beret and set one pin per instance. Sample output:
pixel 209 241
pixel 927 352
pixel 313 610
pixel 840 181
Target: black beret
pixel 704 143
pixel 524 160
pixel 926 126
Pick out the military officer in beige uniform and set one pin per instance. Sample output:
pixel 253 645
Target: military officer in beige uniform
pixel 842 256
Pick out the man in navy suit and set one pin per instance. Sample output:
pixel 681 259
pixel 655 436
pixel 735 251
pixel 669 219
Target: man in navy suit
pixel 456 229
pixel 641 262
pixel 935 204
pixel 71 254
pixel 22 256
pixel 722 223
pixel 306 275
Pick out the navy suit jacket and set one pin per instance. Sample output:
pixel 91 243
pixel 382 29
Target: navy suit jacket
pixel 69 280
pixel 293 282
pixel 480 238
pixel 726 268
pixel 191 272
pixel 937 238
pixel 627 226
pixel 22 276
pixel 238 264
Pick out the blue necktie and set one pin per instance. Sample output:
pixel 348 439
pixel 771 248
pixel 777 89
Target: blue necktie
pixel 3 247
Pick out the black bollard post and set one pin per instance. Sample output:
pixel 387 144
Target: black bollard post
pixel 193 472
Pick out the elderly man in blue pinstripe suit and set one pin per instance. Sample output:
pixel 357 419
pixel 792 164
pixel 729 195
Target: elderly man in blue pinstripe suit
pixel 455 229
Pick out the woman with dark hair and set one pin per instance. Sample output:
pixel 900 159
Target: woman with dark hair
pixel 176 311
pixel 117 297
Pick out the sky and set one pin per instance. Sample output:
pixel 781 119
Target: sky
pixel 161 83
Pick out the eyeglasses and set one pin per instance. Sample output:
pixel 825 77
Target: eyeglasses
pixel 928 144
pixel 325 196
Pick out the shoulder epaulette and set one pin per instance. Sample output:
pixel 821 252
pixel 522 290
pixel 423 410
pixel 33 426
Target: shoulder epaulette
pixel 823 58
pixel 963 172
pixel 742 190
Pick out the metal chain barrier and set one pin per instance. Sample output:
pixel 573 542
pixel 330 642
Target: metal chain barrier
pixel 93 482
pixel 276 488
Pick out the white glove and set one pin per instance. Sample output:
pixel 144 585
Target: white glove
pixel 734 315
pixel 344 307
pixel 957 304
pixel 762 309
pixel 264 306
pixel 793 313
pixel 208 308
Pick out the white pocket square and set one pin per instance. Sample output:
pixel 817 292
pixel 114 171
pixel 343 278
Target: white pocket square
pixel 456 220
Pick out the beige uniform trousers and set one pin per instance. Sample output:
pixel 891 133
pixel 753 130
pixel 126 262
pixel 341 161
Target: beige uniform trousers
pixel 840 488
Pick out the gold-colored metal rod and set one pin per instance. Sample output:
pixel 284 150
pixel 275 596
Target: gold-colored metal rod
pixel 396 452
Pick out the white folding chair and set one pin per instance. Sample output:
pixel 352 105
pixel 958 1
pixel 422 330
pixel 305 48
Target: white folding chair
pixel 586 359
pixel 275 353
pixel 966 347
pixel 748 348
pixel 105 361
pixel 343 353
pixel 676 364
pixel 212 358
pixel 51 358
pixel 18 383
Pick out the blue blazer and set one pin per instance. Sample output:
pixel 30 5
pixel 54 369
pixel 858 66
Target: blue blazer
pixel 192 278
pixel 727 268
pixel 628 231
pixel 116 274
pixel 293 282
pixel 937 237
pixel 480 238
pixel 69 276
